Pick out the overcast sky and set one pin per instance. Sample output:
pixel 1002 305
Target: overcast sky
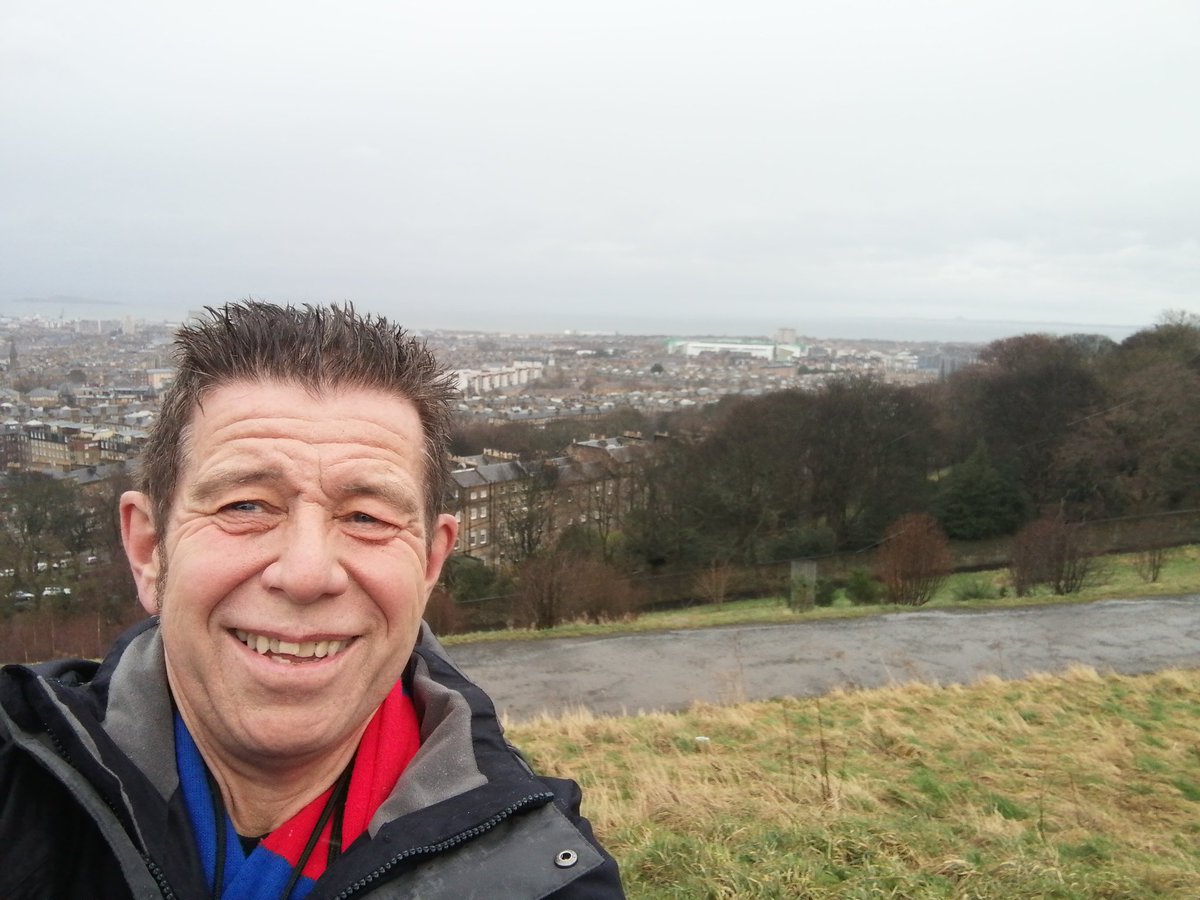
pixel 718 165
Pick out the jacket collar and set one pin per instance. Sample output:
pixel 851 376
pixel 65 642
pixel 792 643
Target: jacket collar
pixel 139 709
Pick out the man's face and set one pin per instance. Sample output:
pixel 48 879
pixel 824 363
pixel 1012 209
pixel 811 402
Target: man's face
pixel 297 566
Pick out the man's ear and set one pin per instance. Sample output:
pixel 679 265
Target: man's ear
pixel 441 542
pixel 141 543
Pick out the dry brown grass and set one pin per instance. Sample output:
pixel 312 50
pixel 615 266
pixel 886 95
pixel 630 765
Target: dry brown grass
pixel 1068 786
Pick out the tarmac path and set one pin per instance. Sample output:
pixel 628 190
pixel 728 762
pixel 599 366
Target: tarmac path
pixel 669 670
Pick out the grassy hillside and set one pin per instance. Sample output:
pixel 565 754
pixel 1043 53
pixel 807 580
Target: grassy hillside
pixel 1073 786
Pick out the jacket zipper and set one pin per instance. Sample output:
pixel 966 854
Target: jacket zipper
pixel 163 886
pixel 448 843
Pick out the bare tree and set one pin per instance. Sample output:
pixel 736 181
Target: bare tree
pixel 526 515
pixel 41 511
pixel 599 504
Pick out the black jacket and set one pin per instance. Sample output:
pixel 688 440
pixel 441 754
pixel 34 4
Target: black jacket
pixel 90 803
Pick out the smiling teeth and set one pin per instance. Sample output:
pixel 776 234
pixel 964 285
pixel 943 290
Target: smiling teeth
pixel 299 650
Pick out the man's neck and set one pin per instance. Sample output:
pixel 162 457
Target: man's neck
pixel 261 794
pixel 260 799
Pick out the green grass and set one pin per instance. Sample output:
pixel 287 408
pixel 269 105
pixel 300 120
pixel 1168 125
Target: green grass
pixel 911 791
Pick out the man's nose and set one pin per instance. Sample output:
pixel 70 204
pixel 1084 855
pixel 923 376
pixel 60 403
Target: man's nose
pixel 306 566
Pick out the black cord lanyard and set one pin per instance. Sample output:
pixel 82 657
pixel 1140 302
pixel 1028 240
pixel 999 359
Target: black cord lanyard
pixel 335 806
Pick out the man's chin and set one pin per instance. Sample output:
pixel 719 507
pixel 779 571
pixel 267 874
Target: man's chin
pixel 291 738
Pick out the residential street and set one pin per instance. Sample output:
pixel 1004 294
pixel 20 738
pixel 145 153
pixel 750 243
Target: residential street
pixel 669 670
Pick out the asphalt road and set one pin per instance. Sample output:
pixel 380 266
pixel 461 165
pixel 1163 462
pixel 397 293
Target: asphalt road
pixel 670 670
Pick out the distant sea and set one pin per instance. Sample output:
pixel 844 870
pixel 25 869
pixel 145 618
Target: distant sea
pixel 887 329
pixel 683 323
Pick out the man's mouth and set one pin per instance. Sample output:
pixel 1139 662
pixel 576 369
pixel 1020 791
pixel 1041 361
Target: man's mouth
pixel 291 651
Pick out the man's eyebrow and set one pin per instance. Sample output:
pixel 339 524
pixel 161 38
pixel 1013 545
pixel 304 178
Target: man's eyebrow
pixel 219 482
pixel 395 494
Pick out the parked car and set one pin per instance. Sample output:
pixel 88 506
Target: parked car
pixel 22 600
pixel 54 590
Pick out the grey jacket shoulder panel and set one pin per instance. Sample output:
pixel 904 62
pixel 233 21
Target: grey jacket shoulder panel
pixel 137 704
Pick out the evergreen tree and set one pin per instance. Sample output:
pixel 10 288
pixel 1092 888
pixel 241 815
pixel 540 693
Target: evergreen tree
pixel 976 500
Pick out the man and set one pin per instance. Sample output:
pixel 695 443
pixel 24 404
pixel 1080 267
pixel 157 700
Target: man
pixel 284 725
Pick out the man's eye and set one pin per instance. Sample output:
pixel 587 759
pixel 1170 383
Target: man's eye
pixel 242 506
pixel 366 524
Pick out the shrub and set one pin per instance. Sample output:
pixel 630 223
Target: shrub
pixel 562 588
pixel 826 592
pixel 1050 552
pixel 469 579
pixel 443 613
pixel 1149 560
pixel 914 559
pixel 600 593
pixel 862 588
pixel 1028 563
pixel 540 595
pixel 1149 563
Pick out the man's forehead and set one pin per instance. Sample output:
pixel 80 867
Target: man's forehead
pixel 316 392
pixel 246 414
pixel 249 399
